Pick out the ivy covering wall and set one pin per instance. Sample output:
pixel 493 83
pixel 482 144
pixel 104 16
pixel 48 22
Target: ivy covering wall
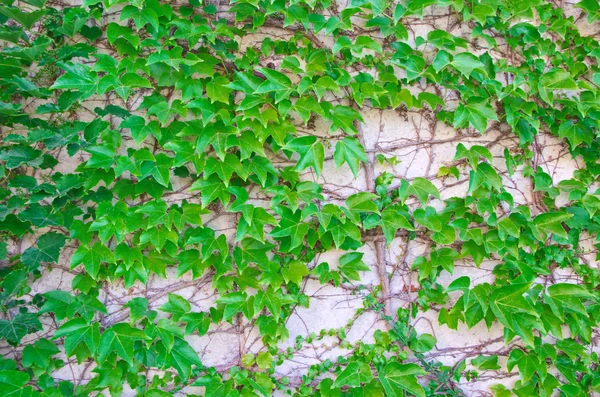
pixel 173 172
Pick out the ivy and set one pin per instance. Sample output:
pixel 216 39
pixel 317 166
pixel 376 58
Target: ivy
pixel 176 172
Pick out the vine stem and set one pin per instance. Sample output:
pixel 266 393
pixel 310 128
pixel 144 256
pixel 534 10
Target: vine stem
pixel 380 242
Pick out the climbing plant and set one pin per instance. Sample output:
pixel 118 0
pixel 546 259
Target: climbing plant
pixel 188 142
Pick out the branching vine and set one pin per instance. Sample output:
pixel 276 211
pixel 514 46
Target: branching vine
pixel 183 183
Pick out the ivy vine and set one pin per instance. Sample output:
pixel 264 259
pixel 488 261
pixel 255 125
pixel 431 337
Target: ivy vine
pixel 186 145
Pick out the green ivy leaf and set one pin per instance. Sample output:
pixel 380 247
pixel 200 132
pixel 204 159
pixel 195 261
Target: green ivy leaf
pixel 391 221
pixel 554 80
pixel 22 324
pixel 397 378
pixel 423 343
pixel 212 188
pixel 39 353
pixel 305 106
pixel 120 339
pixel 18 155
pixel 423 188
pixel 78 77
pixel 311 153
pixel 476 112
pixel 486 363
pixel 354 375
pixel 343 118
pixel 351 263
pixel 361 203
pixel 177 306
pixel 48 249
pixel 567 297
pixel 182 357
pixel 349 151
pixel 25 19
pixel 294 272
pixel 91 258
pixel 575 133
pixel 550 222
pixel 217 90
pixel 264 360
pixel 79 332
pixel 512 309
pixel 466 62
pixel 13 383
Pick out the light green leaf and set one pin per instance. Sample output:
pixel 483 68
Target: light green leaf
pixel 476 112
pixel 349 151
pixel 397 378
pixel 311 151
pixel 120 339
pixel 554 80
pixel 485 363
pixel 391 221
pixel 423 188
pixel 551 222
pixel 344 118
pixel 13 383
pixel 352 263
pixel 25 19
pixel 466 62
pixel 91 258
pixel 177 306
pixel 294 272
pixel 354 375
